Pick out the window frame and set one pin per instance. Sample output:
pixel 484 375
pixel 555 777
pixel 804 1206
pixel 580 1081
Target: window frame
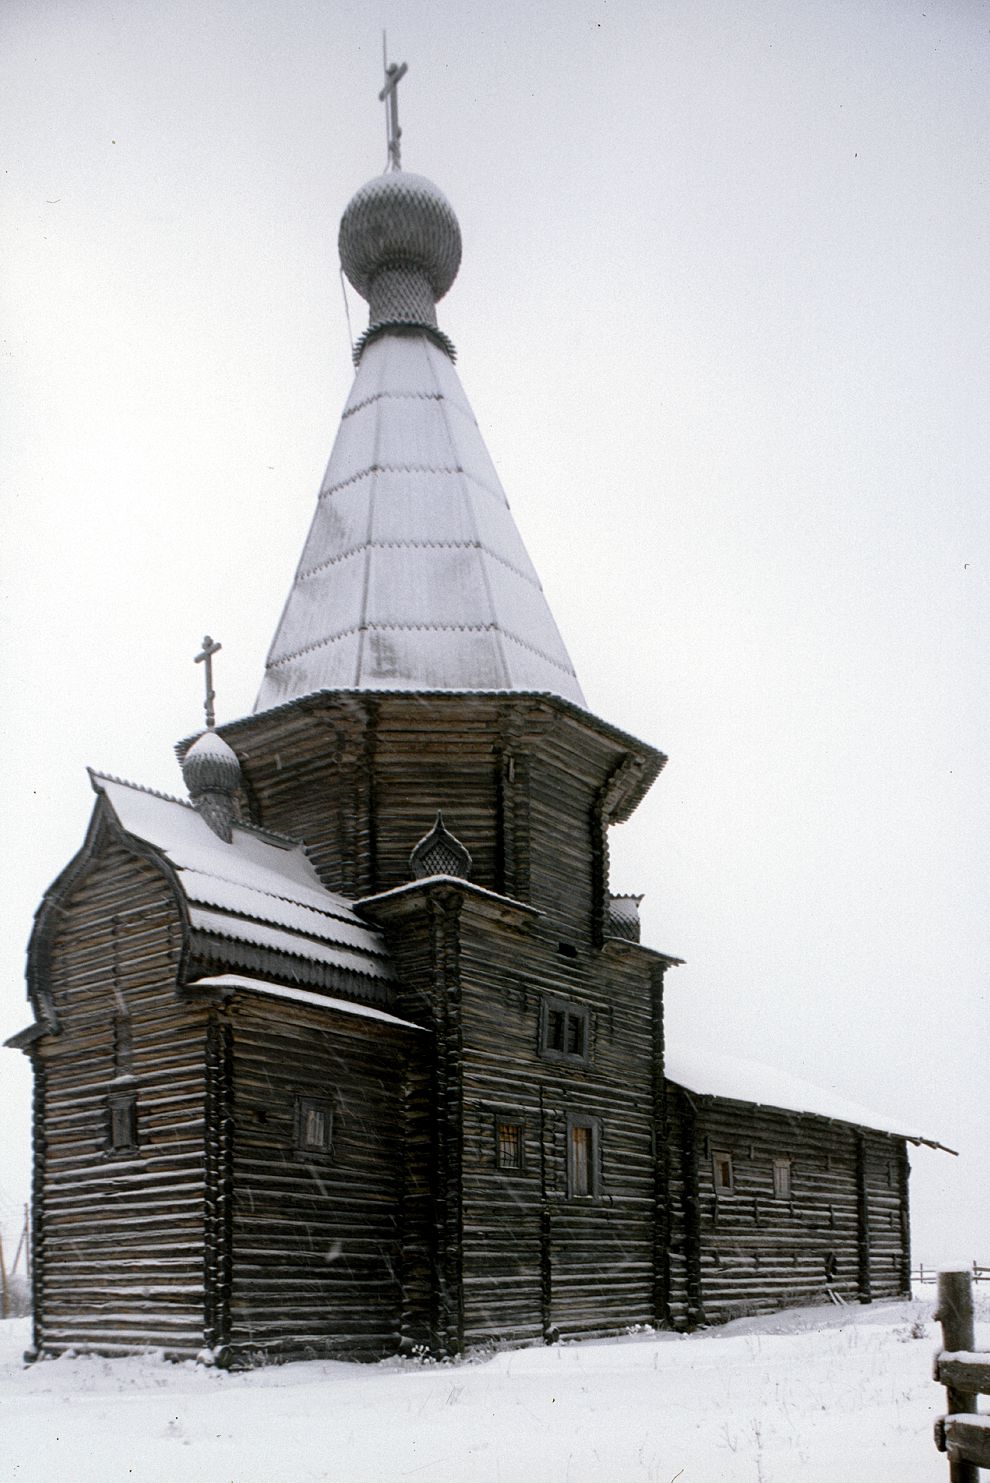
pixel 594 1126
pixel 722 1156
pixel 571 1014
pixel 782 1178
pixel 306 1104
pixel 507 1118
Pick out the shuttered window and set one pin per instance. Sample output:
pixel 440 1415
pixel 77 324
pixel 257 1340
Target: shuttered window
pixel 122 1116
pixel 782 1179
pixel 565 1031
pixel 722 1173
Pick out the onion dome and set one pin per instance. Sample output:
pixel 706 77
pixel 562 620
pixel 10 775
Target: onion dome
pixel 212 774
pixel 440 853
pixel 400 246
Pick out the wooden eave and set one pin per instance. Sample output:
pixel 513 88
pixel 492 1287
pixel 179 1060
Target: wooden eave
pixel 622 946
pixel 268 730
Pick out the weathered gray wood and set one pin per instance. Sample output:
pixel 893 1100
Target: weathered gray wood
pixel 968 1374
pixel 955 1314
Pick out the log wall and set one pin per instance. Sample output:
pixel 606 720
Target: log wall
pixel 119 1253
pixel 314 1236
pixel 842 1230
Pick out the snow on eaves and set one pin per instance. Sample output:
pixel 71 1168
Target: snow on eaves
pixel 247 984
pixel 737 1079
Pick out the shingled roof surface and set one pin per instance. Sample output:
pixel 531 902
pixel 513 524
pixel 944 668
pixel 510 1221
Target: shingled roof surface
pixel 414 576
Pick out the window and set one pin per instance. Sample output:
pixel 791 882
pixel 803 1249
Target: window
pixel 314 1125
pixel 782 1179
pixel 583 1156
pixel 722 1173
pixel 509 1143
pixel 565 1031
pixel 122 1115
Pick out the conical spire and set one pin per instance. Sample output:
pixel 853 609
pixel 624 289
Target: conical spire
pixel 413 576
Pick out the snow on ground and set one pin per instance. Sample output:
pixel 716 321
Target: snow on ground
pixel 813 1394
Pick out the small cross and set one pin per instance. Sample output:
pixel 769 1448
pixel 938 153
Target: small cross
pixel 389 95
pixel 209 649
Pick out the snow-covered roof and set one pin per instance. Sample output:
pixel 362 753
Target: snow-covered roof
pixel 414 576
pixel 708 1074
pixel 246 984
pixel 257 889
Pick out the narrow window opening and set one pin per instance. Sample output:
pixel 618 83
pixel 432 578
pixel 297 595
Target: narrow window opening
pixel 583 1156
pixel 123 1121
pixel 722 1173
pixel 314 1125
pixel 782 1179
pixel 509 1144
pixel 567 950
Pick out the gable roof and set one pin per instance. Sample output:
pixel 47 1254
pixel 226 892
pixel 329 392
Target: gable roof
pixel 258 889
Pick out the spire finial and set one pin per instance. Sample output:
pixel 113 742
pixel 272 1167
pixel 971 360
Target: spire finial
pixel 389 95
pixel 209 649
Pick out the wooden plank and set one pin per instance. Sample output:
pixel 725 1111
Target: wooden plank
pixel 968 1373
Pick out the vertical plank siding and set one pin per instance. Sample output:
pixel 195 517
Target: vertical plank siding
pixel 120 1234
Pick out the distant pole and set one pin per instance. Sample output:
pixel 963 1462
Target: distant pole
pixel 206 657
pixel 4 1294
pixel 955 1314
pixel 389 95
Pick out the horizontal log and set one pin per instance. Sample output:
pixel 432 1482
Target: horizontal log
pixel 968 1372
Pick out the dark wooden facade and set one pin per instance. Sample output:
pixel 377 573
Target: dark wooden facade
pixel 507 1162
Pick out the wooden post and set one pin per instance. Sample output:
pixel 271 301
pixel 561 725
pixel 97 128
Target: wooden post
pixel 955 1314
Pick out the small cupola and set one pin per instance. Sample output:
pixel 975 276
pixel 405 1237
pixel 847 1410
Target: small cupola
pixel 212 774
pixel 440 853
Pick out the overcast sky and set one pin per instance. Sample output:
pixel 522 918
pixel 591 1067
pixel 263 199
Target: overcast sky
pixel 724 320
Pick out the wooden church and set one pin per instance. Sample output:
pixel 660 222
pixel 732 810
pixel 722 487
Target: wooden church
pixel 352 1051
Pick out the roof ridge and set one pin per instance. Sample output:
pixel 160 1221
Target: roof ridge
pixel 109 777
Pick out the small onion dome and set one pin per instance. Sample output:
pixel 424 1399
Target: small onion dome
pixel 400 221
pixel 212 774
pixel 440 853
pixel 623 917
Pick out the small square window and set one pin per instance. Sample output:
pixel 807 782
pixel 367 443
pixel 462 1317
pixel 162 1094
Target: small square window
pixel 722 1173
pixel 122 1110
pixel 782 1179
pixel 583 1156
pixel 509 1143
pixel 314 1125
pixel 565 1031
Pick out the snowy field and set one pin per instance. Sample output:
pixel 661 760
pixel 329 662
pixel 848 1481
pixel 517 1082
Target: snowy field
pixel 812 1394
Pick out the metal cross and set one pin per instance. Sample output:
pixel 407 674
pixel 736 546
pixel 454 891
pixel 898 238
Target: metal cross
pixel 389 95
pixel 209 649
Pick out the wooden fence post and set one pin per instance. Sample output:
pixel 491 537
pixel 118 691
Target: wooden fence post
pixel 955 1314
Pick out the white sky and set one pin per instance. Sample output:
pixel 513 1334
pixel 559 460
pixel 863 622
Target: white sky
pixel 724 319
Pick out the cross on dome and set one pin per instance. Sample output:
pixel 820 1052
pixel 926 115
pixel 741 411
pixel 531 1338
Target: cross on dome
pixel 389 95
